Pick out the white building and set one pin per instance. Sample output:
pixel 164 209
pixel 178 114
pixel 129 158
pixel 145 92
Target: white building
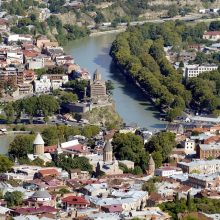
pixel 19 37
pixel 50 82
pixel 36 63
pixel 43 85
pixel 189 146
pixel 195 69
pixel 14 57
pixel 168 171
pixel 211 35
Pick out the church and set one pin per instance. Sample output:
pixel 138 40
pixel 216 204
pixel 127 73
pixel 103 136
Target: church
pixel 98 88
pixel 38 146
pixel 108 165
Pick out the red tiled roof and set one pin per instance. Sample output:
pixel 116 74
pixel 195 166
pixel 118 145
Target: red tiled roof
pixel 49 149
pixel 48 171
pixel 77 148
pixel 75 200
pixel 29 210
pixel 30 53
pixel 212 33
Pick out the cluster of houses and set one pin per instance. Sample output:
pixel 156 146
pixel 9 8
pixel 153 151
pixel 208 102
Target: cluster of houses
pixel 188 56
pixel 51 192
pixel 22 55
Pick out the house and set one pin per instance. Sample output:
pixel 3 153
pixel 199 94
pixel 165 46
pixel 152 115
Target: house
pixel 167 171
pixel 37 62
pixel 41 41
pixel 211 35
pixel 47 172
pixel 74 202
pixel 196 69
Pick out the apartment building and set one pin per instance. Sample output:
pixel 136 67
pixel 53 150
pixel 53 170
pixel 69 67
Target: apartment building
pixel 195 69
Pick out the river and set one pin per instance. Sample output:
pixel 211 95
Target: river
pixel 92 53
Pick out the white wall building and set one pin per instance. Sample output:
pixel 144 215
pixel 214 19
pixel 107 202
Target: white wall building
pixel 189 146
pixel 168 171
pixel 195 70
pixel 43 85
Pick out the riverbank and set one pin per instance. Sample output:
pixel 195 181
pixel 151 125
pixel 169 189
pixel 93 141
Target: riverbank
pixel 98 33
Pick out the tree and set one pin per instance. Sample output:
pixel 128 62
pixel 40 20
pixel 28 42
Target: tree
pixel 21 146
pixel 90 131
pixel 13 198
pixel 68 163
pixel 38 162
pixel 130 147
pixel 9 111
pixel 173 11
pixel 68 97
pixel 162 142
pixel 50 135
pixel 5 164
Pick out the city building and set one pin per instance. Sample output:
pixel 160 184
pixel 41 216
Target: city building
pixel 201 166
pixel 210 181
pixel 189 146
pixel 167 171
pixel 205 151
pixel 195 69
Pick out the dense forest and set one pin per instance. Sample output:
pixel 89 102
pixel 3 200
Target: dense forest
pixel 140 53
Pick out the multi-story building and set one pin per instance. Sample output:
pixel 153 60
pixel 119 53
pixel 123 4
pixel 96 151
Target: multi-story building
pixel 203 180
pixel 50 81
pixel 195 70
pixel 189 146
pixel 205 151
pixel 201 166
pixel 25 89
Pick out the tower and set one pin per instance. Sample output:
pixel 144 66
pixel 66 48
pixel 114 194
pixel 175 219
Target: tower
pixel 38 145
pixel 151 166
pixel 107 152
pixel 97 87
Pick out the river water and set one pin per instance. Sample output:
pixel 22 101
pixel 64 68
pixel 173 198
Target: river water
pixel 92 53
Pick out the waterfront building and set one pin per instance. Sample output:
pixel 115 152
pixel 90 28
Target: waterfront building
pixel 97 87
pixel 196 69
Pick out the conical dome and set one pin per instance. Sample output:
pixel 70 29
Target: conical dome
pixel 97 75
pixel 38 140
pixel 107 147
pixel 151 161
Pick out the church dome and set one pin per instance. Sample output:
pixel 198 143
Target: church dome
pixel 38 140
pixel 41 194
pixel 151 161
